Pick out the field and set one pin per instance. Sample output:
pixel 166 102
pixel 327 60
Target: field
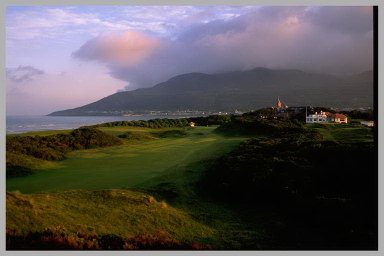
pixel 344 133
pixel 166 168
pixel 148 184
pixel 127 165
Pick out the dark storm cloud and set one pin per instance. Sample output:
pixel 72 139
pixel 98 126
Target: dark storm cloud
pixel 352 20
pixel 23 73
pixel 317 39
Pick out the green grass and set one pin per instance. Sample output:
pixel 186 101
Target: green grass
pixel 72 193
pixel 127 165
pixel 344 133
pixel 153 167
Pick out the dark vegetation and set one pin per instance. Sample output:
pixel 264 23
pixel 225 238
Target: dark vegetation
pixel 60 239
pixel 251 124
pixel 153 123
pixel 143 136
pixel 356 114
pixel 170 134
pixel 325 192
pixel 136 136
pixel 165 122
pixel 210 120
pixel 52 147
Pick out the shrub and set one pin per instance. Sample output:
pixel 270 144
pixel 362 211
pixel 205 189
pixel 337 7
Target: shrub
pixel 53 147
pixel 59 239
pixel 138 136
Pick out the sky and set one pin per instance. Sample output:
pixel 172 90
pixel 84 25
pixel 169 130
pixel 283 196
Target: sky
pixel 60 57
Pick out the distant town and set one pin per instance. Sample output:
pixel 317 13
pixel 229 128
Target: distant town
pixel 188 112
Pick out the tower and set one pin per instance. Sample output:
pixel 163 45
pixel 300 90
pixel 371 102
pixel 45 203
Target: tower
pixel 279 103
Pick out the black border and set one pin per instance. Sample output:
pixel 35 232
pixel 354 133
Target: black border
pixel 375 109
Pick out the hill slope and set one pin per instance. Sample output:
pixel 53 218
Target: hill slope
pixel 124 213
pixel 243 90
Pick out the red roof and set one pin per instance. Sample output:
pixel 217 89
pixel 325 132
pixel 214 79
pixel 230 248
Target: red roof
pixel 341 116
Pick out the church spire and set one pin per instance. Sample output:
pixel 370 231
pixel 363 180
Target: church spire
pixel 279 103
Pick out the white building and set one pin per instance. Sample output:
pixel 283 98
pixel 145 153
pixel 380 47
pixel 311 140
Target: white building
pixel 326 117
pixel 317 118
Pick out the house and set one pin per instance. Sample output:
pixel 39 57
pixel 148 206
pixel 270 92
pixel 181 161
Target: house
pixel 326 117
pixel 317 118
pixel 340 118
pixel 192 124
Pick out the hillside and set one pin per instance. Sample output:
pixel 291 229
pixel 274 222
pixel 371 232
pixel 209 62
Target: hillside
pixel 108 214
pixel 244 90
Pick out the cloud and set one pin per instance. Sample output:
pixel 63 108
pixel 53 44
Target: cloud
pixel 43 23
pixel 23 73
pixel 345 19
pixel 125 49
pixel 316 39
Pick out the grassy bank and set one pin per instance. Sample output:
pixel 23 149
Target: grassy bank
pixel 123 213
pixel 166 167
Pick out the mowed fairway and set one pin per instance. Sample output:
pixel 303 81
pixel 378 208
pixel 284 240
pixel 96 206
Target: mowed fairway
pixel 128 165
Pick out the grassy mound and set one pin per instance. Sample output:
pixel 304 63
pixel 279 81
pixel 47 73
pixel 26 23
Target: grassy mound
pixel 170 134
pixel 121 214
pixel 136 136
pixel 21 165
pixel 26 153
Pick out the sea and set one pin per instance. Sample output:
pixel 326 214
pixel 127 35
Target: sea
pixel 20 124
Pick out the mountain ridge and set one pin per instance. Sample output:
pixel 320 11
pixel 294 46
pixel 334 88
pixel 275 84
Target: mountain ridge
pixel 243 90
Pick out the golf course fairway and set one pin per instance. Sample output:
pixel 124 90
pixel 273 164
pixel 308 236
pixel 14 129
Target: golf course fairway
pixel 128 165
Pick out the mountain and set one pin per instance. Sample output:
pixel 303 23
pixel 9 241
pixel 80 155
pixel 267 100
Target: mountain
pixel 243 90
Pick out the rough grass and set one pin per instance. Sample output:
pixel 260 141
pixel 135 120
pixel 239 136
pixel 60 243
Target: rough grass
pixel 120 212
